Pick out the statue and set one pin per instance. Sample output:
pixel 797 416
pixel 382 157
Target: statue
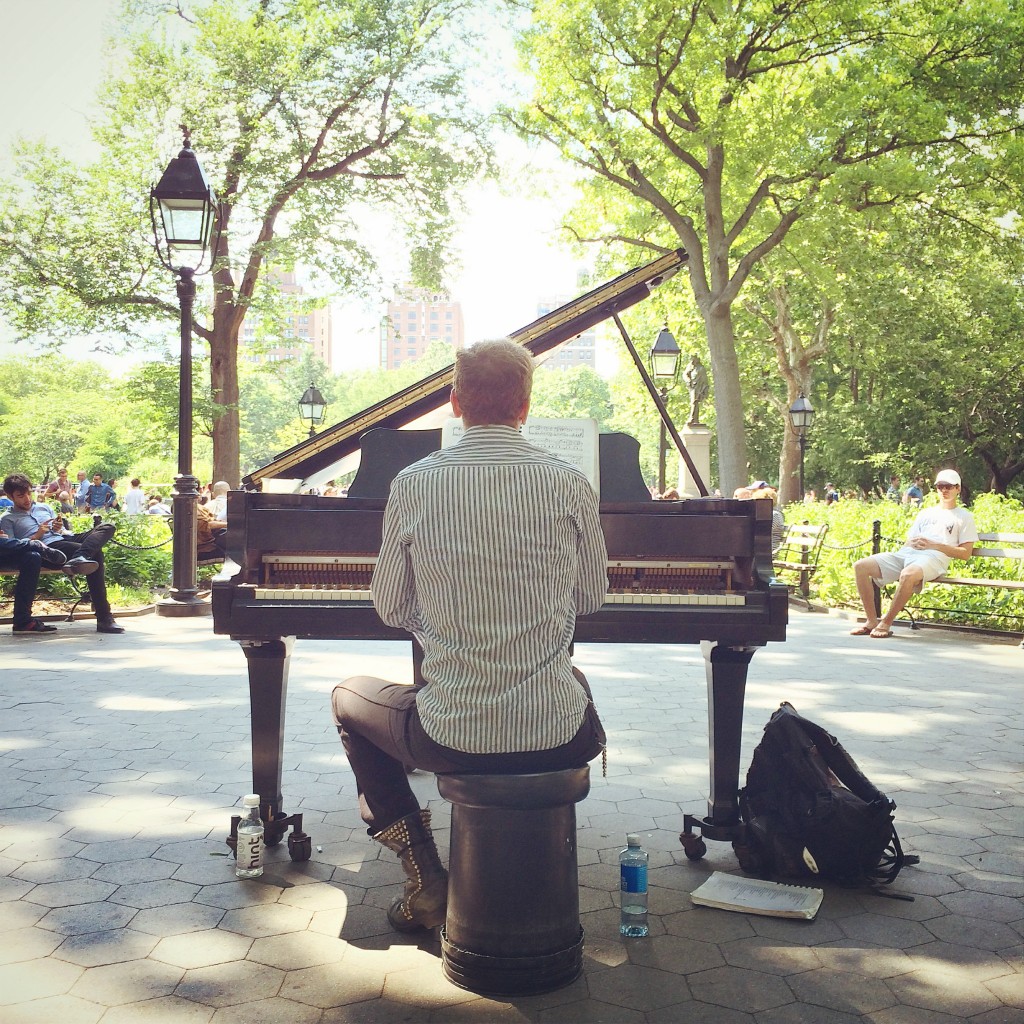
pixel 696 378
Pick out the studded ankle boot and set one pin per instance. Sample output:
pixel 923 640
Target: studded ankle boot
pixel 425 899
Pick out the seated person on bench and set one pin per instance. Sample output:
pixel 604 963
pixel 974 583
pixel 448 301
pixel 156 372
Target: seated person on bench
pixel 937 535
pixel 35 520
pixel 27 558
pixel 491 548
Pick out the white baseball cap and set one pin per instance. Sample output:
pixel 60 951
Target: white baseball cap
pixel 948 476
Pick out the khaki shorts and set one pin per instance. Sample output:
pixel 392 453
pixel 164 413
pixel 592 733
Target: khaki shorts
pixel 891 564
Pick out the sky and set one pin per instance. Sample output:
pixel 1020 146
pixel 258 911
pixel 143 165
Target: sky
pixel 51 68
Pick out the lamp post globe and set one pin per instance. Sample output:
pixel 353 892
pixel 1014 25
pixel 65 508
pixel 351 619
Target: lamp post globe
pixel 664 360
pixel 801 415
pixel 183 211
pixel 312 408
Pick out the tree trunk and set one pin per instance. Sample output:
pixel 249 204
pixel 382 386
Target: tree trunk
pixel 732 443
pixel 224 384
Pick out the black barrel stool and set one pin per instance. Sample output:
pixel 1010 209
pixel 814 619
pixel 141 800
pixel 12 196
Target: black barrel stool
pixel 513 924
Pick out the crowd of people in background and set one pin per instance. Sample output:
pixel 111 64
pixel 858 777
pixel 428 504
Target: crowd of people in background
pixel 35 533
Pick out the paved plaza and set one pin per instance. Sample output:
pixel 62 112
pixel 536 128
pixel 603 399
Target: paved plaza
pixel 122 758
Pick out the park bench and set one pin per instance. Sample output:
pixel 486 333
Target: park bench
pixel 994 551
pixel 799 553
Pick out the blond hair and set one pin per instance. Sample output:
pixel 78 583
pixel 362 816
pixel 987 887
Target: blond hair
pixel 493 380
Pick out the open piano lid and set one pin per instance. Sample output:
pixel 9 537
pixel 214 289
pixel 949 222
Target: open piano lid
pixel 320 458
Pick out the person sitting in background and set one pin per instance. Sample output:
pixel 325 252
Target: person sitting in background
pixel 211 534
pixel 218 504
pixel 81 490
pixel 157 507
pixel 936 536
pixel 914 494
pixel 778 520
pixel 33 520
pixel 135 498
pixel 27 558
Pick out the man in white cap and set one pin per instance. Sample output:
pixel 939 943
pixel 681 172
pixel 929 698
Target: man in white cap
pixel 938 534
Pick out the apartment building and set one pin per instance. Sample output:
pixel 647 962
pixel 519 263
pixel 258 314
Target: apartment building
pixel 414 320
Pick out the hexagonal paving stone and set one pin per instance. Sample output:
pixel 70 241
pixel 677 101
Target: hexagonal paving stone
pixel 125 872
pixel 66 1009
pixel 128 982
pixel 849 993
pixel 271 1011
pixel 60 870
pixel 296 950
pixel 70 893
pixel 231 895
pixel 164 1010
pixel 19 944
pixel 230 983
pixel 673 953
pixel 110 851
pixel 93 949
pixel 36 979
pixel 886 931
pixel 943 989
pixel 738 989
pixel 638 988
pixel 272 919
pixel 88 917
pixel 331 985
pixel 770 955
pixel 176 919
pixel 974 931
pixel 201 949
pixel 158 893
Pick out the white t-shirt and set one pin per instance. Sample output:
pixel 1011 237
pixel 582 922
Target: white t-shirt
pixel 953 526
pixel 134 501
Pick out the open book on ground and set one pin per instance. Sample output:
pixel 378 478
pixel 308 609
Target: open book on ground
pixel 756 896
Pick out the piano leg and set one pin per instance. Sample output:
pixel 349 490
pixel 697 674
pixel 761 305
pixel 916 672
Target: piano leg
pixel 268 688
pixel 726 669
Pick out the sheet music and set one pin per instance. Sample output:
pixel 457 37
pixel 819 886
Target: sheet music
pixel 758 896
pixel 574 440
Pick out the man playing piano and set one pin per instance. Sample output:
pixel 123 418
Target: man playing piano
pixel 491 548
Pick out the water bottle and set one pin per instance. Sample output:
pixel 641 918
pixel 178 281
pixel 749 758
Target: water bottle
pixel 249 846
pixel 633 888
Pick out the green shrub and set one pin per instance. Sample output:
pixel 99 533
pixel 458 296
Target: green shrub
pixel 849 538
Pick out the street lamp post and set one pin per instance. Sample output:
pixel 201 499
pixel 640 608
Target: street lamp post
pixel 664 370
pixel 801 415
pixel 187 207
pixel 312 408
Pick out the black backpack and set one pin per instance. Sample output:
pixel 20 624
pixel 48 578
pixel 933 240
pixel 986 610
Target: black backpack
pixel 809 810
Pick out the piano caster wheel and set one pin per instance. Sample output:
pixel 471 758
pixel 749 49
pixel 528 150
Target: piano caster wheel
pixel 693 845
pixel 300 846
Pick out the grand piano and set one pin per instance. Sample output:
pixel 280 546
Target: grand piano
pixel 298 566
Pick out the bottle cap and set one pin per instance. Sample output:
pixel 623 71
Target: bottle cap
pixel 251 800
pixel 632 839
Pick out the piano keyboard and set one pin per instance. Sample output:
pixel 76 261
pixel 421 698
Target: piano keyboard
pixel 635 597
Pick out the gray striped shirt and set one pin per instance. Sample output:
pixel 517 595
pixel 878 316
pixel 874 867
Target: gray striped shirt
pixel 491 549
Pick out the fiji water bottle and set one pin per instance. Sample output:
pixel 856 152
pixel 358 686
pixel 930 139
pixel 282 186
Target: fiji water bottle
pixel 249 845
pixel 633 888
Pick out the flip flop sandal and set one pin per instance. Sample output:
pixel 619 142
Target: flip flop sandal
pixel 862 631
pixel 881 634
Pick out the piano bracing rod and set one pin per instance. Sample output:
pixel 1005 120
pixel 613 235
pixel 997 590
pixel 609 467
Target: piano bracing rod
pixel 662 408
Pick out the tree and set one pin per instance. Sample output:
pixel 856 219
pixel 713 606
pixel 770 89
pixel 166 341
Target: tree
pixel 307 117
pixel 719 124
pixel 576 393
